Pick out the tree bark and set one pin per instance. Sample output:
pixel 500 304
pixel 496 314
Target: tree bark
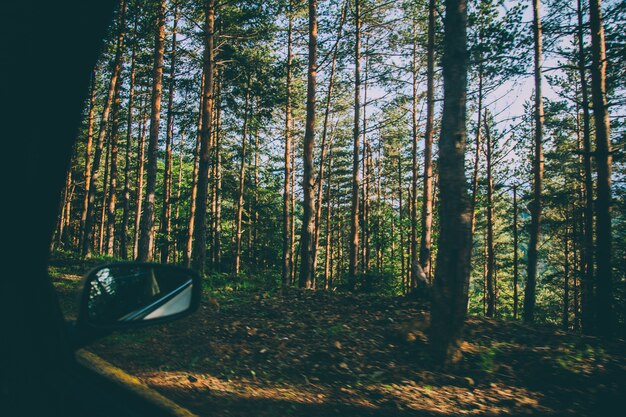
pixel 87 172
pixel 327 251
pixel 320 177
pixel 587 252
pixel 287 241
pixel 450 292
pixel 535 205
pixel 565 320
pixel 307 233
pixel 242 181
pixel 365 240
pixel 194 180
pixel 217 227
pixel 605 319
pixel 200 218
pixel 104 123
pixel 166 211
pixel 129 139
pixel 354 213
pixel 146 227
pixel 515 256
pixel 141 156
pixel 491 296
pixel 112 196
pixel 427 201
pixel 105 194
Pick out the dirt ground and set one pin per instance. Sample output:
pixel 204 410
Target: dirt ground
pixel 309 353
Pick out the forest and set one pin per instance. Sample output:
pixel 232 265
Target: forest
pixel 465 152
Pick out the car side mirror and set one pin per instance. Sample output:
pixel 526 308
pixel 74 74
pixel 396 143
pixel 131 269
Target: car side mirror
pixel 127 295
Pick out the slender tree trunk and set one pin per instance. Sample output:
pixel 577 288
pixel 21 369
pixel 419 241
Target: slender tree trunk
pixel 217 228
pixel 400 224
pixel 307 234
pixel 141 150
pixel 105 193
pixel 200 217
pixel 66 205
pixel 320 176
pixel 365 174
pixel 179 184
pixel 605 319
pixel 491 296
pixel 129 139
pixel 515 256
pixel 242 181
pixel 577 273
pixel 194 181
pixel 450 295
pixel 112 196
pixel 104 123
pixel 287 190
pixel 293 259
pixel 327 249
pixel 354 214
pixel 87 172
pixel 146 226
pixel 415 265
pixel 166 212
pixel 255 206
pixel 535 206
pixel 427 203
pixel 566 276
pixel 478 142
pixel 587 283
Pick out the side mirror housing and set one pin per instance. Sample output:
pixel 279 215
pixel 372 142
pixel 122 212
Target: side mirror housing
pixel 129 294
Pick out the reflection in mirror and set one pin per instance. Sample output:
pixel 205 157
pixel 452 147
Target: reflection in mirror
pixel 135 292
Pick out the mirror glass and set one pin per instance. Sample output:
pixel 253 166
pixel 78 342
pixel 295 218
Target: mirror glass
pixel 137 292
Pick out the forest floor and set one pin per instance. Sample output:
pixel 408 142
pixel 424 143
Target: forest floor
pixel 306 353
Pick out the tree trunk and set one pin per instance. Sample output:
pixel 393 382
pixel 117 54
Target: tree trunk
pixel 401 226
pixel 146 227
pixel 166 212
pixel 112 197
pixel 320 176
pixel 194 181
pixel 129 139
pixel 105 193
pixel 491 296
pixel 415 273
pixel 200 217
pixel 255 205
pixel 478 143
pixel 604 292
pixel 449 302
pixel 87 172
pixel 427 201
pixel 354 213
pixel 535 205
pixel 242 181
pixel 179 184
pixel 308 181
pixel 327 249
pixel 287 241
pixel 565 321
pixel 587 252
pixel 104 123
pixel 141 157
pixel 365 240
pixel 515 256
pixel 293 259
pixel 217 226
